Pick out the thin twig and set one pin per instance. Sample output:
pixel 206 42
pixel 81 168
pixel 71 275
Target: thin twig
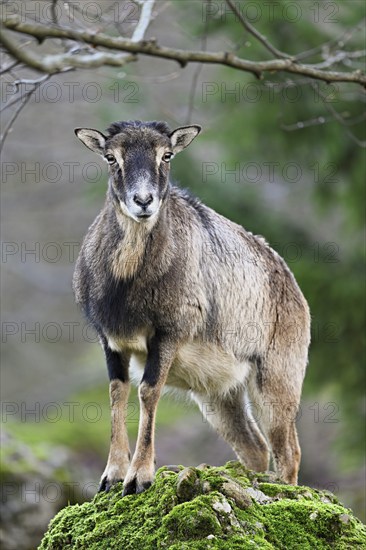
pixel 355 120
pixel 54 11
pixel 253 31
pixel 341 40
pixel 10 103
pixel 337 116
pixel 15 116
pixel 300 125
pixel 9 67
pixel 18 83
pixel 338 57
pixel 319 120
pixel 196 74
pixel 78 10
pixel 32 81
pixel 156 79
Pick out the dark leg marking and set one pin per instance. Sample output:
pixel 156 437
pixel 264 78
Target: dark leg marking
pixel 259 364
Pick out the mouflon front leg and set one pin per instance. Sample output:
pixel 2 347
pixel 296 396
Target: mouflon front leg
pixel 141 472
pixel 119 388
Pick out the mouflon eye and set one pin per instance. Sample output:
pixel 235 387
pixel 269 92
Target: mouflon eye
pixel 167 157
pixel 110 159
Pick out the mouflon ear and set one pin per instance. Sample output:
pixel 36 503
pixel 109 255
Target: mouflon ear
pixel 93 139
pixel 182 137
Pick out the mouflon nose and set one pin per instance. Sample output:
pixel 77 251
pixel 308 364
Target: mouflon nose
pixel 143 200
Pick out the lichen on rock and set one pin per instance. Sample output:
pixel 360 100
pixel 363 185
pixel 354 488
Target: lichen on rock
pixel 208 508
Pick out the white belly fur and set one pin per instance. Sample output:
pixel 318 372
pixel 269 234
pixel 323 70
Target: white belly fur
pixel 203 368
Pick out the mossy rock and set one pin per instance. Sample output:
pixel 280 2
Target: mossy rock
pixel 208 508
pixel 36 481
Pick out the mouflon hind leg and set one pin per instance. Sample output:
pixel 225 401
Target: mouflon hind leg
pixel 285 449
pixel 277 401
pixel 233 420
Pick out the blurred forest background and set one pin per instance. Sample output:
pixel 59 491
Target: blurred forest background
pixel 275 156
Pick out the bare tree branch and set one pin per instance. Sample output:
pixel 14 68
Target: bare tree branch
pixel 145 18
pixel 54 63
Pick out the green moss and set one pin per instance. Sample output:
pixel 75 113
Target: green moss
pixel 191 520
pixel 288 522
pixel 237 471
pixel 188 510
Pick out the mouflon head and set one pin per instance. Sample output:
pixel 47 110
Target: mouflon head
pixel 139 155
